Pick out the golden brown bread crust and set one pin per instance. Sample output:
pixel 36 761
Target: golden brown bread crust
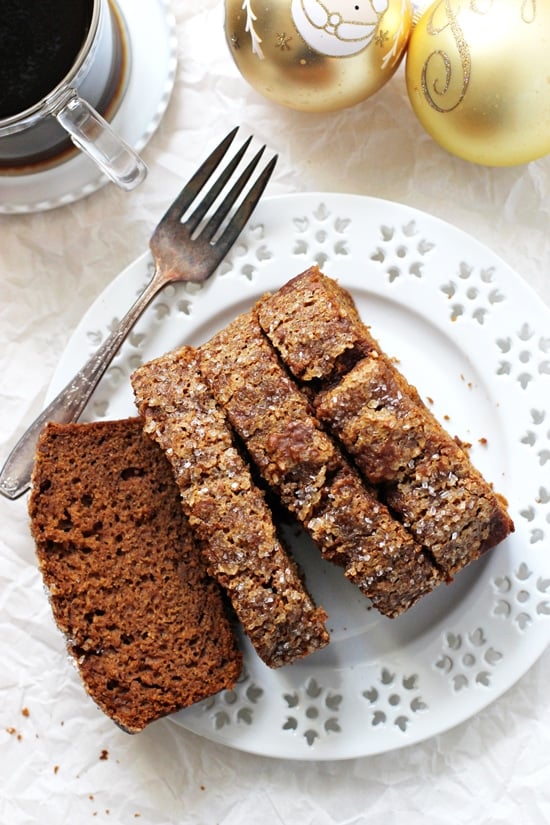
pixel 379 556
pixel 308 472
pixel 382 425
pixel 145 623
pixel 269 413
pixel 227 511
pixel 425 477
pixel 314 325
pixel 449 507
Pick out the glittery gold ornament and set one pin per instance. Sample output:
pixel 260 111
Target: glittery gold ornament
pixel 478 78
pixel 317 55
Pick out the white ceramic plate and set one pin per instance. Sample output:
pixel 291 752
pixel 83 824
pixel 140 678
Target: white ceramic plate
pixel 475 339
pixel 150 30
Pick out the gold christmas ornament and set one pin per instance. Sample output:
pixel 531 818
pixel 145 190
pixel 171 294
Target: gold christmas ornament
pixel 478 78
pixel 317 55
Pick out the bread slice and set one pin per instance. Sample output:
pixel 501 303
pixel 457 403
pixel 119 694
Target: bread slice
pixel 423 474
pixel 227 511
pixel 145 623
pixel 303 466
pixel 315 327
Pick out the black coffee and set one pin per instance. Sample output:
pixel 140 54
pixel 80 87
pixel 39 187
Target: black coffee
pixel 39 41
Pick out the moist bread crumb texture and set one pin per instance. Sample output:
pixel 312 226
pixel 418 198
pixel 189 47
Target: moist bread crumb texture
pixel 227 511
pixel 145 623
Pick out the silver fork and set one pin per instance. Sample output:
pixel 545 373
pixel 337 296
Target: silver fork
pixel 183 250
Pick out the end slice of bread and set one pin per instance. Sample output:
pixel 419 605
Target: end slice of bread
pixel 146 625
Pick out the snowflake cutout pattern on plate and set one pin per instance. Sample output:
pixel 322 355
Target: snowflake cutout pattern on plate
pixel 473 294
pixel 468 659
pixel 395 700
pixel 320 236
pixel 236 706
pixel 522 598
pixel 537 514
pixel 538 436
pixel 313 711
pixel 401 251
pixel 248 254
pixel 526 356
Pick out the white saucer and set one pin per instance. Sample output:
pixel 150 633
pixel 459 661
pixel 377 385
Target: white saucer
pixel 153 59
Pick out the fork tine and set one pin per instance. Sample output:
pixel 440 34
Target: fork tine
pixel 195 184
pixel 243 213
pixel 198 214
pixel 225 206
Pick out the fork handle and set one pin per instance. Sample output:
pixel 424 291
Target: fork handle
pixel 16 474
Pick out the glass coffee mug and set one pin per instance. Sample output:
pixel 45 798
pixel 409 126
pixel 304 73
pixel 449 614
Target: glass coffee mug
pixel 60 62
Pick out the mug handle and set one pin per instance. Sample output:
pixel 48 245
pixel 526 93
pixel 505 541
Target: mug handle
pixel 91 133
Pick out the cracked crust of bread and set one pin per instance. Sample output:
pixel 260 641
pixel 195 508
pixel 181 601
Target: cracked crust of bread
pixel 227 511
